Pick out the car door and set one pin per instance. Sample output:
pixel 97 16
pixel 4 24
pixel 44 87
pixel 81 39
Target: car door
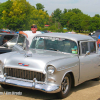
pixel 89 62
pixel 21 40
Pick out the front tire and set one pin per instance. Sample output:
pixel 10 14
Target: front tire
pixel 65 86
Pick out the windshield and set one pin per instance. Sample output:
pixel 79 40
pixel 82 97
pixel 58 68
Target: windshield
pixel 53 43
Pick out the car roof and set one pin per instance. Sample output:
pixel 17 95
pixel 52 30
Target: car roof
pixel 8 34
pixel 75 37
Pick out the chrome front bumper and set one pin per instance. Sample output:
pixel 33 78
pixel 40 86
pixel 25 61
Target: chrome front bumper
pixel 35 85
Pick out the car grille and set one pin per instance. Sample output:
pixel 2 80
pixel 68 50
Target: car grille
pixel 24 74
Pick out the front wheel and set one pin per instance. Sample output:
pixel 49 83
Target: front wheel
pixel 65 86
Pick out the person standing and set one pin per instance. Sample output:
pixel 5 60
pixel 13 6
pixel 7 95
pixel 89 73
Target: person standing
pixel 30 34
pixel 98 42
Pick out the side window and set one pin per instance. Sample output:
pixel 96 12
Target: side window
pixel 92 47
pixel 70 47
pixel 21 40
pixel 84 46
pixel 88 46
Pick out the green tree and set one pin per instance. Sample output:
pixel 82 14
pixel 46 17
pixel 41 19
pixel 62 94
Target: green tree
pixel 77 11
pixel 1 10
pixel 57 14
pixel 97 15
pixel 75 22
pixel 15 16
pixel 65 11
pixel 39 17
pixel 65 18
pixel 94 23
pixel 4 10
pixel 39 6
pixel 85 23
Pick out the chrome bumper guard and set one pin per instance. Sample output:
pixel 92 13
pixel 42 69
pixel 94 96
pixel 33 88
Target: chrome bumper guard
pixel 35 85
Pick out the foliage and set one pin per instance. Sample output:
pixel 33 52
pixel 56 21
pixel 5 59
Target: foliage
pixel 65 11
pixel 39 6
pixel 20 15
pixel 75 22
pixel 1 10
pixel 57 14
pixel 15 17
pixel 97 15
pixel 76 11
pixel 39 17
pixel 94 23
pixel 85 23
pixel 65 18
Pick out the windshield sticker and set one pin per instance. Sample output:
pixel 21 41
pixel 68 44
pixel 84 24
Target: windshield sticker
pixel 50 38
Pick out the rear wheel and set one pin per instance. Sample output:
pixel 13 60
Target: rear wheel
pixel 65 86
pixel 6 86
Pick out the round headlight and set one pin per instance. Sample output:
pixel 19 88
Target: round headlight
pixel 51 69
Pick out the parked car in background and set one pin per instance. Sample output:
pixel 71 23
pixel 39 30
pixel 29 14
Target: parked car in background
pixel 53 64
pixel 20 39
pixel 4 38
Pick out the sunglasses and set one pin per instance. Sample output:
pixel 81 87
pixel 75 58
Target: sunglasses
pixel 33 27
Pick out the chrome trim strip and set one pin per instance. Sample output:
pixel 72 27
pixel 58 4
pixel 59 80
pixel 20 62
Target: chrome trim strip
pixel 35 85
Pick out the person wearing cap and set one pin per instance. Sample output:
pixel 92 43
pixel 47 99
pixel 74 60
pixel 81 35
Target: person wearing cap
pixel 34 28
pixel 30 34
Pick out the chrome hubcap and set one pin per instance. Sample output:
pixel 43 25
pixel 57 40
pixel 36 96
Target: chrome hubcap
pixel 65 84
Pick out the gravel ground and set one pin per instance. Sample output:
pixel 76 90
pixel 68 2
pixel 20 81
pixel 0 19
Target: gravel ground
pixel 89 90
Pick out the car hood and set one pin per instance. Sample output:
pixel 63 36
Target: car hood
pixel 34 59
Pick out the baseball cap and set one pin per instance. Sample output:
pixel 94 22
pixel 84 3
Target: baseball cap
pixel 33 26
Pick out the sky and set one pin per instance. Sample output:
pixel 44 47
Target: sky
pixel 89 7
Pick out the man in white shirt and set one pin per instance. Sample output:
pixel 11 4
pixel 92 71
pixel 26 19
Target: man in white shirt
pixel 30 34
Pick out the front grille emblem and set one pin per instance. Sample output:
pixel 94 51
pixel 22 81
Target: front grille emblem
pixel 21 64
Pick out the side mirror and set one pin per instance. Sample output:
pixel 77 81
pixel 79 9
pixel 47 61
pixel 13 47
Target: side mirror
pixel 87 53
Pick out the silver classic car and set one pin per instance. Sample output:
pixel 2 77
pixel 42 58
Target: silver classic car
pixel 53 64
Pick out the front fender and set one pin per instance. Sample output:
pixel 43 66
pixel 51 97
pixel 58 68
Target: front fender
pixel 64 66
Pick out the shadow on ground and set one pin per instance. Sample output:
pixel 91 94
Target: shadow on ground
pixel 45 96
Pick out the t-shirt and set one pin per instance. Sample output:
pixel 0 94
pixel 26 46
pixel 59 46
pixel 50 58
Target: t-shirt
pixel 30 37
